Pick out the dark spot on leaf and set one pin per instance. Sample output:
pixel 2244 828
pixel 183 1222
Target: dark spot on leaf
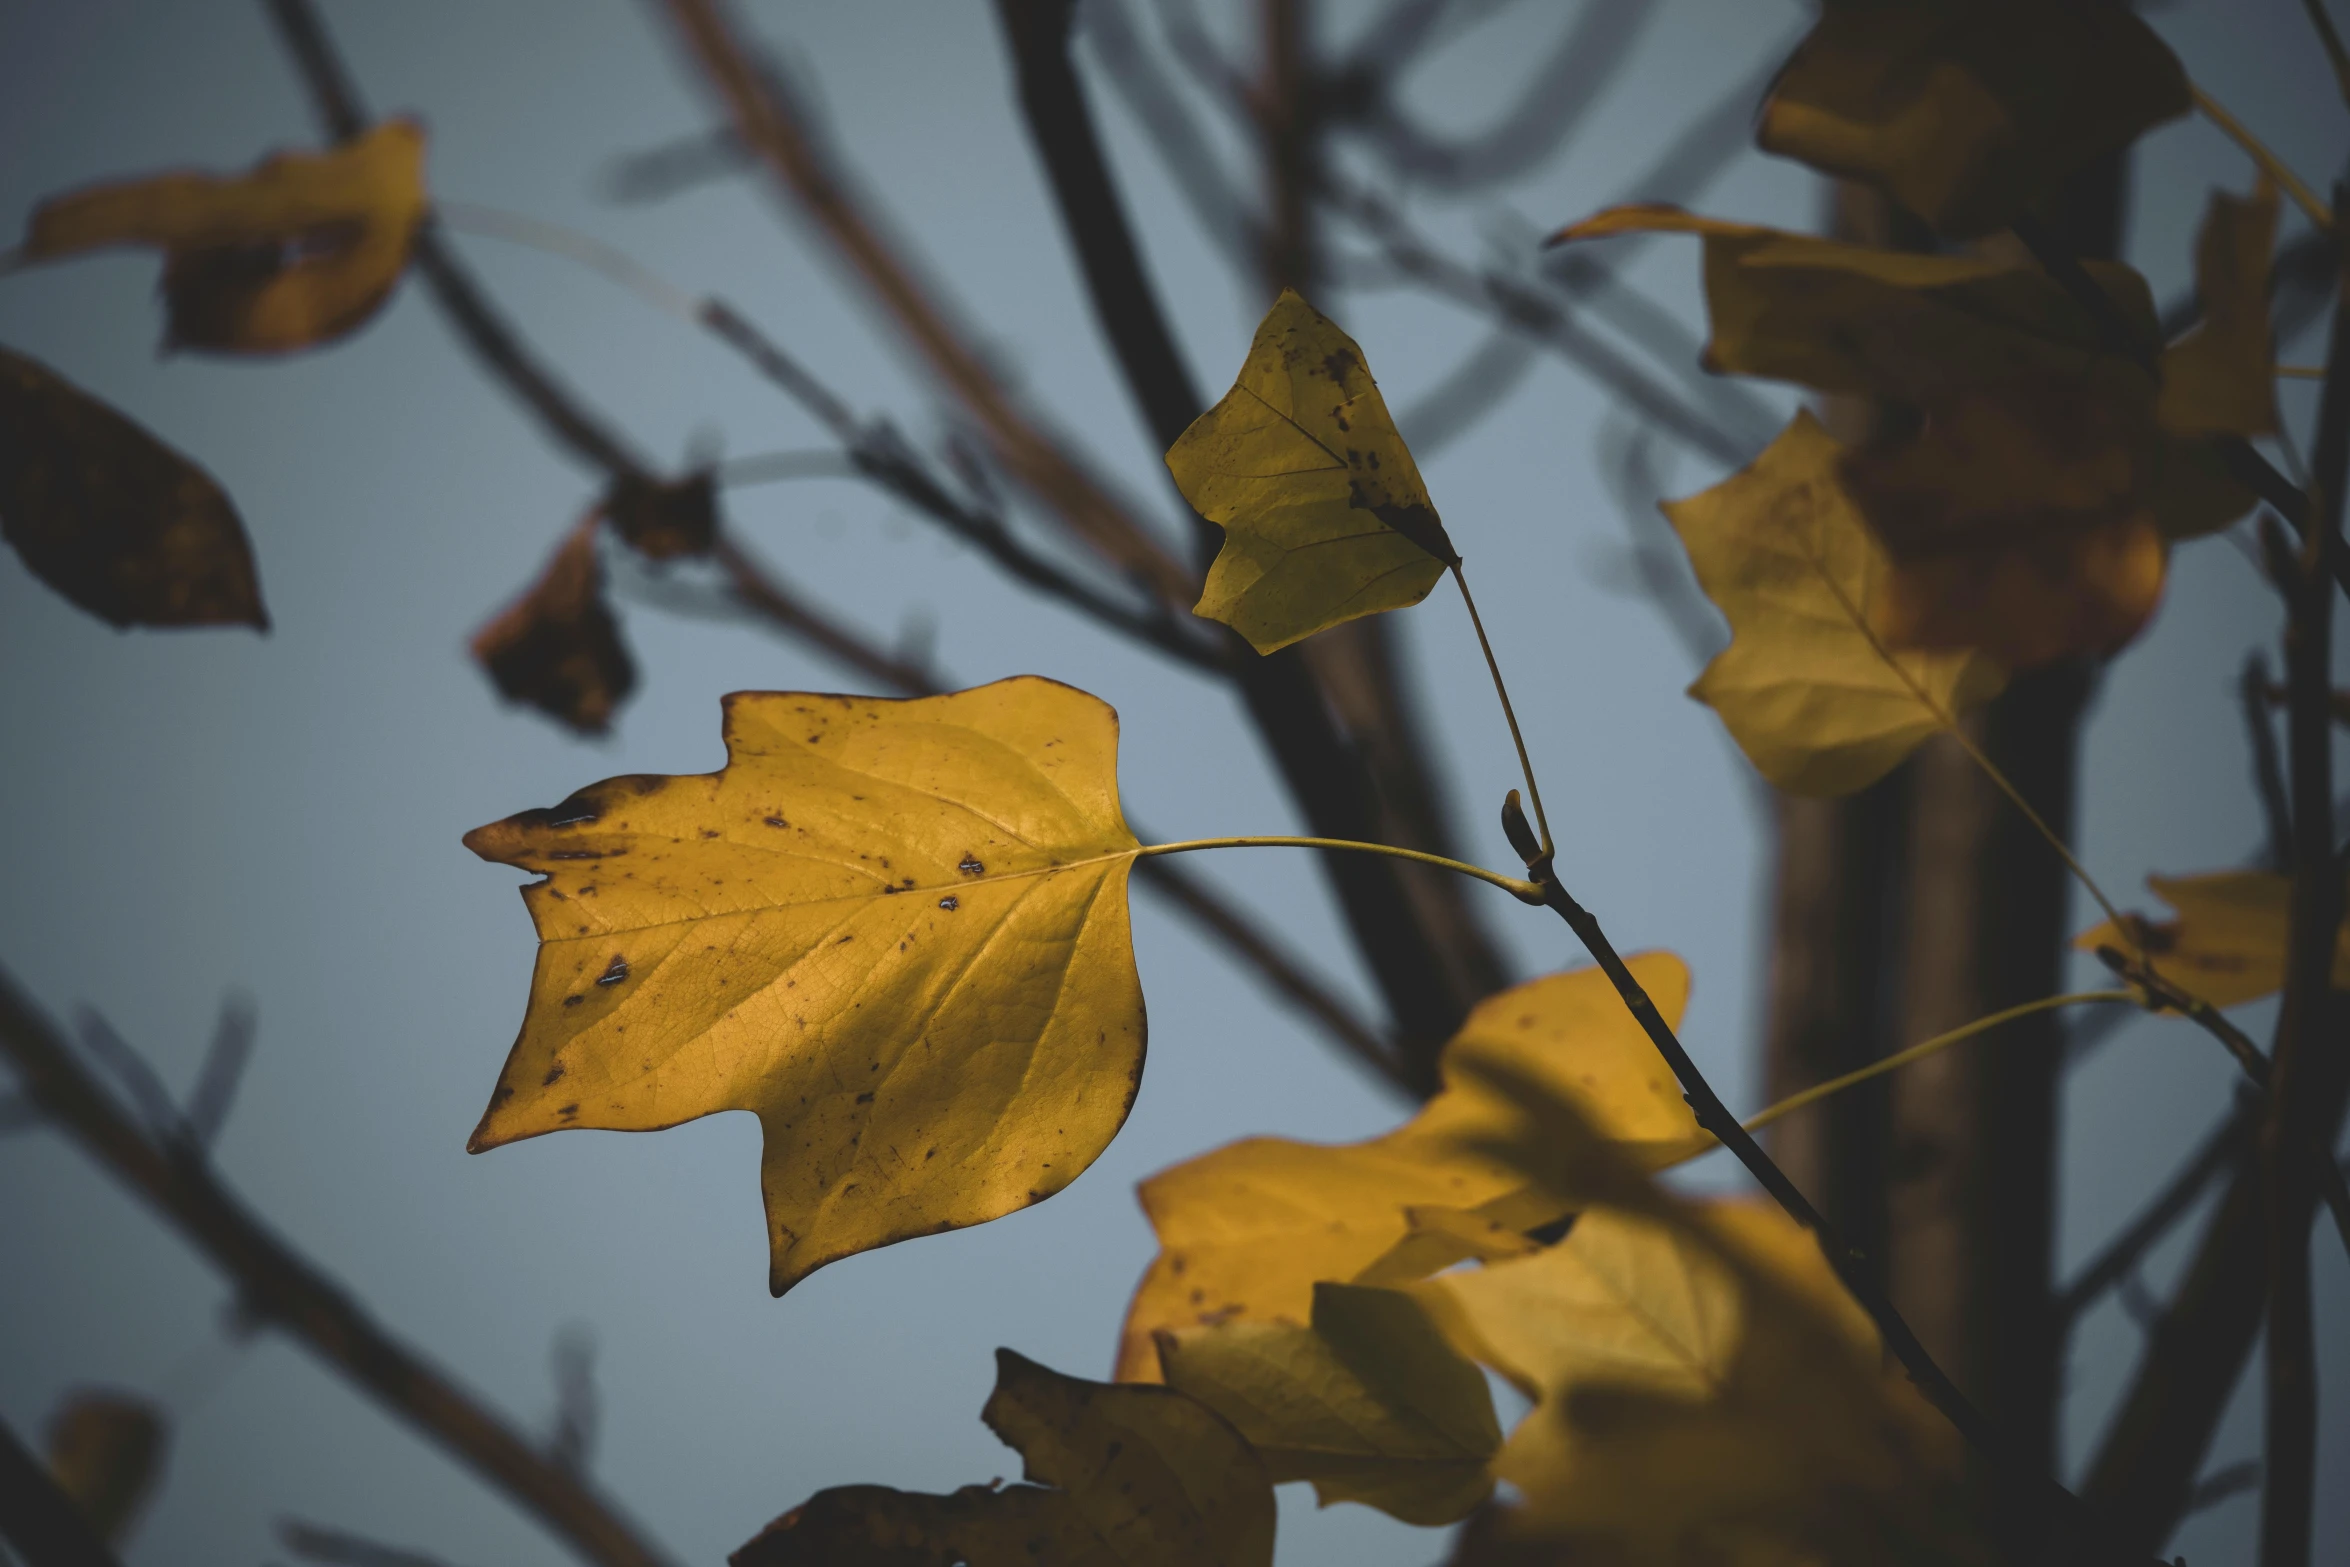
pixel 572 1001
pixel 865 1098
pixel 777 821
pixel 949 903
pixel 614 972
pixel 568 1110
pixel 970 866
pixel 1338 365
pixel 553 1073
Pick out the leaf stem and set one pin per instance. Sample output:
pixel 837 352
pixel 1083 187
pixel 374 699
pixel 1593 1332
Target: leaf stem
pixel 1523 891
pixel 2332 40
pixel 2270 164
pixel 1915 1053
pixel 555 239
pixel 1502 690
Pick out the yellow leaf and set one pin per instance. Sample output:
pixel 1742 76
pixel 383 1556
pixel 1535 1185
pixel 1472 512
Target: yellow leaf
pixel 302 250
pixel 2227 942
pixel 1131 1477
pixel 1324 514
pixel 895 931
pixel 1812 698
pixel 1369 1403
pixel 106 1453
pixel 1969 112
pixel 1247 1230
pixel 2221 377
pixel 1696 1373
pixel 557 647
pixel 112 518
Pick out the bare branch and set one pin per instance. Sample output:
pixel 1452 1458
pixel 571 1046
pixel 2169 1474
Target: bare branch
pixel 222 1071
pixel 40 1520
pixel 2224 1147
pixel 2268 773
pixel 279 1286
pixel 1199 178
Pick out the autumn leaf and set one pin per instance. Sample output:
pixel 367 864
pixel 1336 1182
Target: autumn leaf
pixel 1697 1370
pixel 1368 1402
pixel 1969 112
pixel 2220 379
pixel 302 250
pixel 2226 942
pixel 662 519
pixel 1127 1477
pixel 106 1454
pixel 1325 517
pixel 1805 687
pixel 896 931
pixel 112 518
pixel 1247 1230
pixel 557 648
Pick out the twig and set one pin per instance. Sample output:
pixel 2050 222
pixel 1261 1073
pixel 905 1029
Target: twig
pixel 2269 163
pixel 2332 42
pixel 280 1287
pixel 40 1520
pixel 2224 1146
pixel 2268 774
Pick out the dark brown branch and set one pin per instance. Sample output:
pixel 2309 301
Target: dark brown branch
pixel 40 1521
pixel 278 1286
pixel 2311 1018
pixel 2268 773
pixel 2057 1512
pixel 1175 135
pixel 2224 1147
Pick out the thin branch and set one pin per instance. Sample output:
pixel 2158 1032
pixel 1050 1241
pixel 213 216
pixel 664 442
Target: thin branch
pixel 1174 135
pixel 2268 773
pixel 40 1520
pixel 2224 1146
pixel 2332 43
pixel 279 1286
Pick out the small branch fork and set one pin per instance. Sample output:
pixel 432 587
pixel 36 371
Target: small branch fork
pixel 280 1287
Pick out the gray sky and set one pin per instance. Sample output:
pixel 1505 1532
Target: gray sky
pixel 184 813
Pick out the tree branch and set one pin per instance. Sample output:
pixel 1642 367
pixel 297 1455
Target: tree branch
pixel 2225 1145
pixel 277 1285
pixel 39 1520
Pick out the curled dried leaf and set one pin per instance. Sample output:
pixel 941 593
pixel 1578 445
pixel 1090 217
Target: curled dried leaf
pixel 299 251
pixel 1324 513
pixel 557 648
pixel 112 518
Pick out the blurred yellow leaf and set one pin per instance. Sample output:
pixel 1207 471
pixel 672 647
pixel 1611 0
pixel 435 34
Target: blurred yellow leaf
pixel 1369 1402
pixel 106 1453
pixel 2220 379
pixel 1324 514
pixel 557 647
pixel 112 518
pixel 1246 1231
pixel 896 931
pixel 1698 1373
pixel 1812 697
pixel 1969 112
pixel 2227 941
pixel 1130 1477
pixel 302 250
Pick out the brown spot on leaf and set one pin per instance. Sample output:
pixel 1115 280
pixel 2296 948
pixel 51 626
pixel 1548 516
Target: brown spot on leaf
pixel 614 972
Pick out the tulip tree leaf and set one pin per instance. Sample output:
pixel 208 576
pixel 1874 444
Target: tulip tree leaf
pixel 896 931
pixel 301 250
pixel 112 518
pixel 2226 941
pixel 1814 699
pixel 1247 1230
pixel 1128 1477
pixel 1369 1402
pixel 1969 112
pixel 106 1453
pixel 1324 514
pixel 2221 377
pixel 557 648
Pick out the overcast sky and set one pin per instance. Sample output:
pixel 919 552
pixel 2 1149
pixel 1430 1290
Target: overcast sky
pixel 185 813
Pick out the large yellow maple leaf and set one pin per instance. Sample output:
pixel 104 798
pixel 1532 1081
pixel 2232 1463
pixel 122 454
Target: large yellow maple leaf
pixel 896 931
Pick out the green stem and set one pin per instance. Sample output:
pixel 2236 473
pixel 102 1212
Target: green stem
pixel 1525 764
pixel 1915 1053
pixel 1523 891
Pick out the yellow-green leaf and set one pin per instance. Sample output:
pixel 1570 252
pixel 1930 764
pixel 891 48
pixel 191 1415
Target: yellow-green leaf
pixel 1369 1403
pixel 1130 1477
pixel 1811 695
pixel 1969 112
pixel 112 518
pixel 895 931
pixel 2227 940
pixel 1697 1372
pixel 2221 377
pixel 106 1454
pixel 1324 514
pixel 299 251
pixel 1247 1230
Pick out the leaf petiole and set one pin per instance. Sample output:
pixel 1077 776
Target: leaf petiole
pixel 1492 664
pixel 1523 891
